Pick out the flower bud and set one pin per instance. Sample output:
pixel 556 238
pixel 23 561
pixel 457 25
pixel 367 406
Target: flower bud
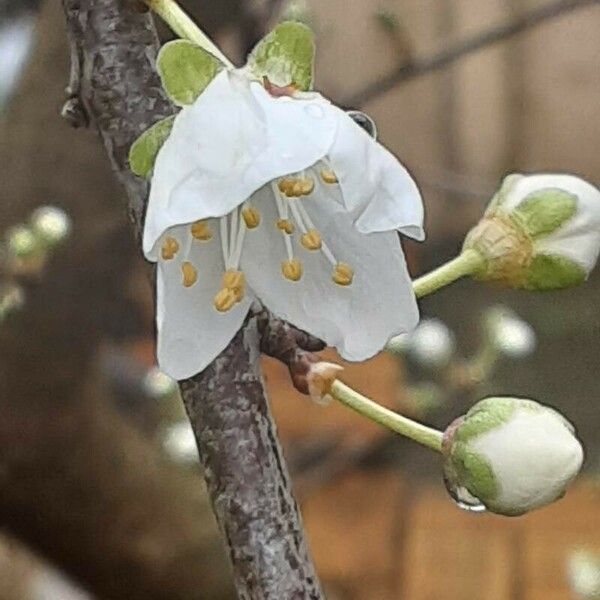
pixel 512 455
pixel 584 573
pixel 540 232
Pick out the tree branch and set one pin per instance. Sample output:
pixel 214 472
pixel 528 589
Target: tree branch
pixel 245 472
pixel 422 66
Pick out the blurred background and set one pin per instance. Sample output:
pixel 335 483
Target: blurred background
pixel 100 489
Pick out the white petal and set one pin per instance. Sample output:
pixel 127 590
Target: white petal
pixel 579 238
pixel 358 320
pixel 377 189
pixel 533 457
pixel 191 333
pixel 229 143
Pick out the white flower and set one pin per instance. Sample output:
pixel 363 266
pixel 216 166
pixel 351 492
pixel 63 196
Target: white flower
pixel 158 385
pixel 540 232
pixel 513 455
pixel 284 199
pixel 584 573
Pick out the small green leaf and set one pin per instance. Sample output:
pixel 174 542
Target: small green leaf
pixel 286 56
pixel 186 70
pixel 485 416
pixel 553 272
pixel 544 211
pixel 144 150
pixel 475 473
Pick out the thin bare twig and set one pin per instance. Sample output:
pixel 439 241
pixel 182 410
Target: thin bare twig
pixel 421 66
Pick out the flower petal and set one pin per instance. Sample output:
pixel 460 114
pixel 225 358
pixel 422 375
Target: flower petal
pixel 358 319
pixel 232 141
pixel 378 191
pixel 191 333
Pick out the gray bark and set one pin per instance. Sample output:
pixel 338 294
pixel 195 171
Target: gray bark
pixel 114 86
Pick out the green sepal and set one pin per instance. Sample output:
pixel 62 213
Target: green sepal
pixel 185 70
pixel 144 150
pixel 544 211
pixel 475 473
pixel 508 184
pixel 285 56
pixel 553 272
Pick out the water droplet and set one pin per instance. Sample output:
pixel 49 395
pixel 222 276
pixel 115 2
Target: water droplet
pixel 315 111
pixel 463 498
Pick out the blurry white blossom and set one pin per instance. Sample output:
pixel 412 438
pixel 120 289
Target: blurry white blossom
pixel 584 573
pixel 50 224
pixel 179 443
pixel 509 334
pixel 431 344
pixel 158 385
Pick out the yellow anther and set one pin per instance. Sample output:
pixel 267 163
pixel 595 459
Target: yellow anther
pixel 343 274
pixel 169 248
pixel 201 231
pixel 308 186
pixel 292 269
pixel 236 282
pixel 251 217
pixel 329 176
pixel 225 300
pixel 190 275
pixel 285 184
pixel 312 240
pixel 296 190
pixel 286 225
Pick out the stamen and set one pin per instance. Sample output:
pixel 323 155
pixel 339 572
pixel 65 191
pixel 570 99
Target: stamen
pixel 286 225
pixel 329 176
pixel 292 269
pixel 251 217
pixel 190 274
pixel 343 274
pixel 282 209
pixel 312 240
pixel 201 231
pixel 308 186
pixel 305 218
pixel 169 248
pixel 236 282
pixel 225 300
pixel 224 240
pixel 233 231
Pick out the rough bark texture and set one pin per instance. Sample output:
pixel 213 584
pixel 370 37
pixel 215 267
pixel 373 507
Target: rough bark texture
pixel 78 483
pixel 114 48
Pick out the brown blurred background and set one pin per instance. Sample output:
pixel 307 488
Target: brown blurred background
pixel 98 478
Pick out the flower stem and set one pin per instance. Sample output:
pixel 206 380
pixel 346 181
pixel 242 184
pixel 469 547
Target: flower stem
pixel 185 27
pixel 431 438
pixel 466 263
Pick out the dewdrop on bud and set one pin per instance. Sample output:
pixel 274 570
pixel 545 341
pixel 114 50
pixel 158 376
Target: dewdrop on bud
pixel 584 573
pixel 509 334
pixel 320 378
pixel 431 344
pixel 51 225
pixel 510 456
pixel 540 232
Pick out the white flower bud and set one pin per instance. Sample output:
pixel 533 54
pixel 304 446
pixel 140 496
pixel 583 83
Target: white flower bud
pixel 431 344
pixel 50 224
pixel 21 241
pixel 158 385
pixel 540 232
pixel 509 334
pixel 512 455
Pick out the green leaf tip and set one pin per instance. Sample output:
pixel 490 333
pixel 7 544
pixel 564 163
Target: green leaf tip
pixel 185 70
pixel 544 211
pixel 144 150
pixel 285 56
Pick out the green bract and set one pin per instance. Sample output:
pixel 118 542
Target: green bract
pixel 185 70
pixel 285 56
pixel 553 272
pixel 144 150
